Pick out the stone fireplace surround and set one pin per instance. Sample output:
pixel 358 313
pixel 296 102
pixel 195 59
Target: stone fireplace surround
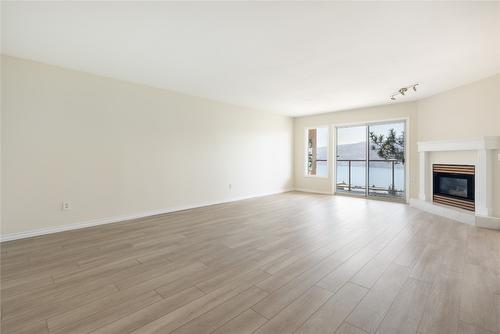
pixel 484 148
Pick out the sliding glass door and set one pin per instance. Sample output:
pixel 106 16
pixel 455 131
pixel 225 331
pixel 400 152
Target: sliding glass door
pixel 386 154
pixel 351 160
pixel 370 160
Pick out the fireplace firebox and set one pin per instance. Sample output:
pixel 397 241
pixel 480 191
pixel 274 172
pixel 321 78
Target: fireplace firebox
pixel 454 185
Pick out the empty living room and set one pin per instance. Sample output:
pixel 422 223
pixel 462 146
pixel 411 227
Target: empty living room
pixel 237 167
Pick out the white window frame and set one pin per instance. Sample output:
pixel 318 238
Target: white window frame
pixel 408 138
pixel 306 146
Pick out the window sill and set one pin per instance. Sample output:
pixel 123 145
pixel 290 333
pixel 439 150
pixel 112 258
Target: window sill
pixel 316 176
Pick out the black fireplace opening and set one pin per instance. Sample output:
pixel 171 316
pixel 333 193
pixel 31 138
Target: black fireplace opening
pixel 454 185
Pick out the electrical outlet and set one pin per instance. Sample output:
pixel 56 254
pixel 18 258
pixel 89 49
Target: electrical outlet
pixel 65 206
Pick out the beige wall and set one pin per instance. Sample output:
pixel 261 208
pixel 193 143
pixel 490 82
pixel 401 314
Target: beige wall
pixel 469 111
pixel 406 111
pixel 113 148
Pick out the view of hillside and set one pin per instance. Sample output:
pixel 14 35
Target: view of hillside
pixel 354 151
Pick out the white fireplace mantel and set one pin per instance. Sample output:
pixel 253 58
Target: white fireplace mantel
pixel 484 143
pixel 483 176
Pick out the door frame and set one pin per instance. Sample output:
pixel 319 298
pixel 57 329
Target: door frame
pixel 333 144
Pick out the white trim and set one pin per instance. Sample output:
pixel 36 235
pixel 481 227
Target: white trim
pixel 317 176
pixel 483 182
pixel 443 211
pixel 332 170
pixel 312 191
pixel 484 143
pixel 408 171
pixel 488 222
pixel 306 151
pixel 381 121
pixel 116 219
pixel 423 175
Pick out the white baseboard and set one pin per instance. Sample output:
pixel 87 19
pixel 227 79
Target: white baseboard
pixel 312 191
pixel 488 222
pixel 109 220
pixel 459 215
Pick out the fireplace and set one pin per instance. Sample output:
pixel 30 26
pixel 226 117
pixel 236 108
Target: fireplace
pixel 454 185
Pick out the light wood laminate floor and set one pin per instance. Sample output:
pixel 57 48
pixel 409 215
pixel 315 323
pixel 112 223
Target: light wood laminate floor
pixel 289 263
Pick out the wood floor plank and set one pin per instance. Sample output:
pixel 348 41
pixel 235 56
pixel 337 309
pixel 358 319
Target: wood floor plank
pixel 150 313
pixel 406 311
pixel 478 302
pixel 410 254
pixel 284 276
pixel 101 312
pixel 370 273
pixel 280 298
pixel 218 316
pixel 346 328
pixel 184 314
pixel 335 280
pixel 245 323
pixel 497 296
pixel 464 328
pixel 370 312
pixel 53 307
pixel 292 317
pixel 330 315
pixel 30 327
pixel 443 304
pixel 481 251
pixel 428 265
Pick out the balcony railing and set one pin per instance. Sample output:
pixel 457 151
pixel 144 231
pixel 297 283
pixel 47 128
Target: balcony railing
pixel 390 190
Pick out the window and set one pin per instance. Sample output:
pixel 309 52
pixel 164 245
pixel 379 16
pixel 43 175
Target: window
pixel 317 152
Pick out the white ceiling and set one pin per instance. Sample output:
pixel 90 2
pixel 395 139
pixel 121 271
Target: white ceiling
pixel 294 58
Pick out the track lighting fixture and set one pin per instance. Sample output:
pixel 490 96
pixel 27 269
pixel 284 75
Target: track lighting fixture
pixel 403 90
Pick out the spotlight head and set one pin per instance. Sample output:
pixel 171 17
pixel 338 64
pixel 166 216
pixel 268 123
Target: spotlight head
pixel 415 88
pixel 393 98
pixel 403 90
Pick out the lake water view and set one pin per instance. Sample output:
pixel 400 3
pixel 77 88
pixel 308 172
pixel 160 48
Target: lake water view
pixel 380 174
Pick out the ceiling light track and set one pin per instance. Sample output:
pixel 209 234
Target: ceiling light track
pixel 403 91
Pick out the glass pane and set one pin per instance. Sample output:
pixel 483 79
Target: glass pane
pixel 351 143
pixel 358 176
pixel 380 176
pixel 351 159
pixel 317 151
pixel 321 168
pixel 453 186
pixel 386 172
pixel 342 173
